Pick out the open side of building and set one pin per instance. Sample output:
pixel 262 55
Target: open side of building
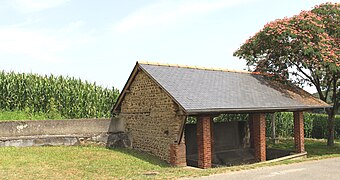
pixel 157 99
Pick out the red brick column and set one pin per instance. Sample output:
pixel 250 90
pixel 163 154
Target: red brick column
pixel 299 138
pixel 212 135
pixel 178 155
pixel 259 124
pixel 251 129
pixel 204 141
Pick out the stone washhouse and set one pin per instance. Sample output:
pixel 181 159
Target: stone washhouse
pixel 158 98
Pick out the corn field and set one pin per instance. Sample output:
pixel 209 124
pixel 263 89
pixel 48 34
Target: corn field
pixel 70 97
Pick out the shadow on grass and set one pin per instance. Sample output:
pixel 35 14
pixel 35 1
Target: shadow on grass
pixel 142 156
pixel 320 148
pixel 285 144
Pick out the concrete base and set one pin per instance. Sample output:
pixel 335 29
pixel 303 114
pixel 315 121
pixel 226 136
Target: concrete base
pixel 289 157
pixel 238 156
pixel 52 140
pixel 110 140
pixel 39 141
pixel 57 132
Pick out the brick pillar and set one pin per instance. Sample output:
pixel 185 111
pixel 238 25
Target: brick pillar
pixel 204 141
pixel 251 129
pixel 212 136
pixel 178 155
pixel 259 127
pixel 299 138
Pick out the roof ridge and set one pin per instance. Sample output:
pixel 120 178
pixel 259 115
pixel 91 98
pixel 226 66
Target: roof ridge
pixel 195 67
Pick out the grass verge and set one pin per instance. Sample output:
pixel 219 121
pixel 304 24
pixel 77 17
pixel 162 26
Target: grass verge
pixel 22 115
pixel 101 163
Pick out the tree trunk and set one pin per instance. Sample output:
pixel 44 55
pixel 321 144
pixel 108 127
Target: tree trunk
pixel 331 119
pixel 331 112
pixel 273 129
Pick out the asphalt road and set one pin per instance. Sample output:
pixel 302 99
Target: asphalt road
pixel 327 169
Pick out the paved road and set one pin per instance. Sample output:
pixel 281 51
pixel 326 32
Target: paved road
pixel 327 169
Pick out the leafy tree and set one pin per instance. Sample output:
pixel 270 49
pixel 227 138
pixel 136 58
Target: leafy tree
pixel 303 49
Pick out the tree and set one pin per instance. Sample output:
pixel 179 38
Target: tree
pixel 303 49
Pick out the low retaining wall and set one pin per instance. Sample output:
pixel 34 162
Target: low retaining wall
pixel 82 127
pixel 62 132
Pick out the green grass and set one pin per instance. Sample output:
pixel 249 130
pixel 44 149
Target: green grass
pixel 81 163
pixel 22 115
pixel 101 163
pixel 316 148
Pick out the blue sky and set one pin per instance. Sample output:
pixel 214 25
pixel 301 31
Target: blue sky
pixel 102 40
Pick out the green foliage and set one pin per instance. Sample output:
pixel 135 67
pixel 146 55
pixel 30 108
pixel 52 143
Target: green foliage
pixel 54 95
pixel 305 42
pixel 191 120
pixel 304 48
pixel 320 126
pixel 27 115
pixel 231 117
pixel 283 122
pixel 315 125
pixel 222 118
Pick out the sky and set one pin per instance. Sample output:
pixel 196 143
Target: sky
pixel 100 41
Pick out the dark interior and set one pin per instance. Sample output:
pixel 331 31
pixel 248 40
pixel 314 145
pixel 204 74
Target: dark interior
pixel 231 145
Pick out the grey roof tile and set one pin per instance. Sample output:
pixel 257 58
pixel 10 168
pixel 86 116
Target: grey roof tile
pixel 198 90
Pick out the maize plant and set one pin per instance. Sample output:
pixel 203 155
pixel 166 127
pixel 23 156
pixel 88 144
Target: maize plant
pixel 72 98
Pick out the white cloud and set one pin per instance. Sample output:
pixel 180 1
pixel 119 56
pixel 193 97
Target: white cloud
pixel 42 45
pixel 29 6
pixel 31 43
pixel 164 12
pixel 73 26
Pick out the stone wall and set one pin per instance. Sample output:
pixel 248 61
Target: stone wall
pixel 150 117
pixel 53 127
pixel 62 132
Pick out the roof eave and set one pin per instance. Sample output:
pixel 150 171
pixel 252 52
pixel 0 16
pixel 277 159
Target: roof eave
pixel 193 112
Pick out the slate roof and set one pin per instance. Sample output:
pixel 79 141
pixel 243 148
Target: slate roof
pixel 199 90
